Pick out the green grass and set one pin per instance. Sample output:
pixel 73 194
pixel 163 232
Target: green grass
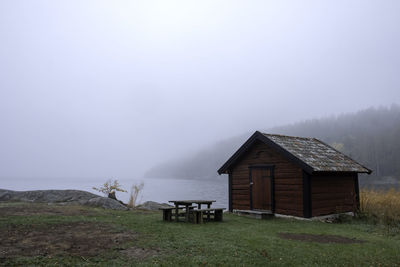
pixel 237 241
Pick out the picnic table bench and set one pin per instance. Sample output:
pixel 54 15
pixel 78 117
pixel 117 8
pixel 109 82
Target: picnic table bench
pixel 198 215
pixel 188 203
pixel 168 214
pixel 190 213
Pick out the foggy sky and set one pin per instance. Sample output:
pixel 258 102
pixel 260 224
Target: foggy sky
pixel 111 88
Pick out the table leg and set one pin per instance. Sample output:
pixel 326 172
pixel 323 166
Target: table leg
pixel 200 218
pixel 208 213
pixel 176 213
pixel 187 213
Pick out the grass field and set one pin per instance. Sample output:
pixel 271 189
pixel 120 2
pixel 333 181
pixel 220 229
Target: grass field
pixel 38 234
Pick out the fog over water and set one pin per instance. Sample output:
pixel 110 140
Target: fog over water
pixel 97 89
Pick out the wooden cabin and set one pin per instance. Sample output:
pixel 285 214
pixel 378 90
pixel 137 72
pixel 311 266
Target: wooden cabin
pixel 289 175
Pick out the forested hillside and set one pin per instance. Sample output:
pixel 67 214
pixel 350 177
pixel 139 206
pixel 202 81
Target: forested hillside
pixel 370 136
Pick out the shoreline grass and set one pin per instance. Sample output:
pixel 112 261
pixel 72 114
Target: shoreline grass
pixel 381 206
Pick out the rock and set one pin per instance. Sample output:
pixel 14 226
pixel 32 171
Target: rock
pixel 52 196
pixel 151 205
pixel 61 197
pixel 107 203
pixel 5 195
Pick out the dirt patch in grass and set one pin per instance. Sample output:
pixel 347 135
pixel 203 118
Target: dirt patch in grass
pixel 139 253
pixel 44 209
pixel 84 239
pixel 319 238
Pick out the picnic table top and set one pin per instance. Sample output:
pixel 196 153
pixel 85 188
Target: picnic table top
pixel 190 202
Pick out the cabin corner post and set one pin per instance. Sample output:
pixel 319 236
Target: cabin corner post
pixel 357 191
pixel 230 191
pixel 307 210
pixel 273 189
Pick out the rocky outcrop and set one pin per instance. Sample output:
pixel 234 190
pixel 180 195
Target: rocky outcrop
pixel 151 205
pixel 61 197
pixel 107 203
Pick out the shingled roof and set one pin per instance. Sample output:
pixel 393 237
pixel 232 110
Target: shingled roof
pixel 311 154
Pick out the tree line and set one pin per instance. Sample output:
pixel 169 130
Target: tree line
pixel 370 136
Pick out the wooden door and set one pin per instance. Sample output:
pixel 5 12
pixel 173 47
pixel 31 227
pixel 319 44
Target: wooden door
pixel 261 188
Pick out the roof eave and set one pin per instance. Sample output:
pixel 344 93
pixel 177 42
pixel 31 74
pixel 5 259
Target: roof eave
pixel 367 171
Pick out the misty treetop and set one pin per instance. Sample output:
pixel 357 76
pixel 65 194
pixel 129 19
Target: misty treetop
pixel 369 136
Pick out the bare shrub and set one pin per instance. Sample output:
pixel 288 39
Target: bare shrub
pixel 135 191
pixel 109 188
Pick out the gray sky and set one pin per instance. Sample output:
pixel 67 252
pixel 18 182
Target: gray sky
pixel 110 88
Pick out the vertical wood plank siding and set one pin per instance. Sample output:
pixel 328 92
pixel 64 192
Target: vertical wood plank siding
pixel 288 177
pixel 333 193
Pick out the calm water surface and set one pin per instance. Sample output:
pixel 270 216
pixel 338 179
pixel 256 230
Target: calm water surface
pixel 159 190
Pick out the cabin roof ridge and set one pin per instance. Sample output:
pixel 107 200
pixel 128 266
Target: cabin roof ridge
pixel 289 136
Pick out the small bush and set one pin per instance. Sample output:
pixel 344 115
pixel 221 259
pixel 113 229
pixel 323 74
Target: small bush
pixel 109 188
pixel 381 206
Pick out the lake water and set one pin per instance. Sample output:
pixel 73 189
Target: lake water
pixel 159 190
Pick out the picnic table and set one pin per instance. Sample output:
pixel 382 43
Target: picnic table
pixel 188 206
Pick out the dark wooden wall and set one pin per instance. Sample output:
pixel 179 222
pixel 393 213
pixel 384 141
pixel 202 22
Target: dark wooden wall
pixel 333 193
pixel 288 180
